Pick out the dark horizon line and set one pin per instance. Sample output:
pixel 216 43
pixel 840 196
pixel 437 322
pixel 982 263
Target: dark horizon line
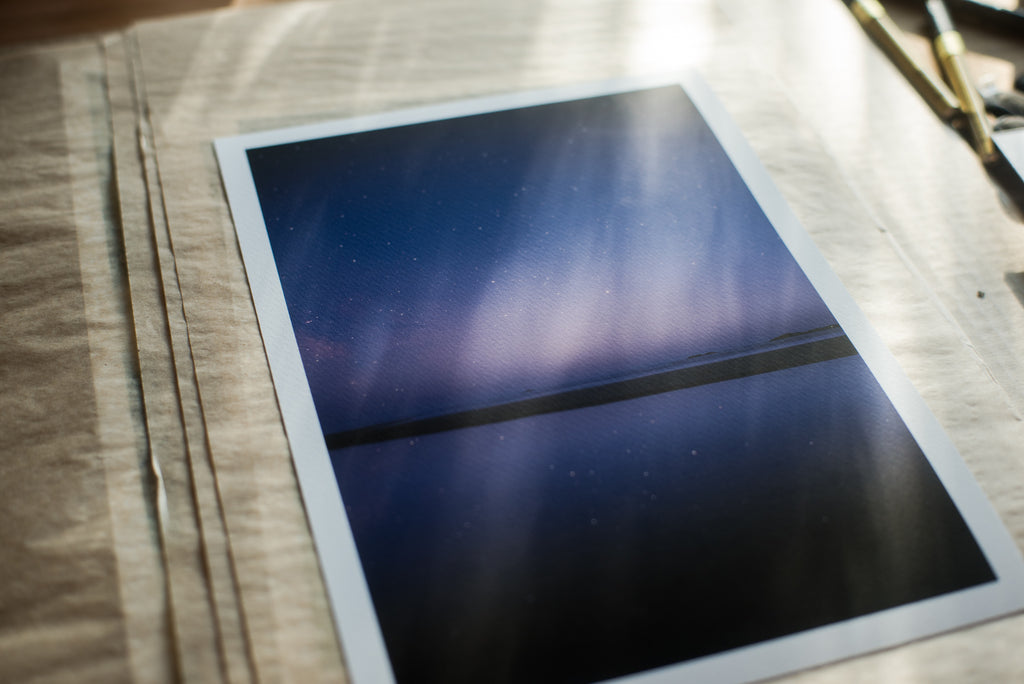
pixel 656 383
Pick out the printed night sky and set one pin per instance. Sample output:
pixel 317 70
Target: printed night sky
pixel 459 264
pixel 479 260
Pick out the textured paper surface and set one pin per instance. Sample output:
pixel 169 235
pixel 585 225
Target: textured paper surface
pixel 209 638
pixel 117 389
pixel 81 587
pixel 895 201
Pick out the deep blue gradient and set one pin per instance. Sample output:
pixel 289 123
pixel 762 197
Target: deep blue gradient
pixel 465 263
pixel 472 261
pixel 593 543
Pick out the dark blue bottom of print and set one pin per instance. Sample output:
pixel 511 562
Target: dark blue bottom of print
pixel 597 542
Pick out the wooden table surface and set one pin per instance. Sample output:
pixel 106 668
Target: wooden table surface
pixel 23 22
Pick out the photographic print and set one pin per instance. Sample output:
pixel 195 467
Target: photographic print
pixel 566 407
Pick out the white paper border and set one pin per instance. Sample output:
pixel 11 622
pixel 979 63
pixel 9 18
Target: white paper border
pixel 360 633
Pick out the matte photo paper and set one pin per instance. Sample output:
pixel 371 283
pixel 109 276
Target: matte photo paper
pixel 572 397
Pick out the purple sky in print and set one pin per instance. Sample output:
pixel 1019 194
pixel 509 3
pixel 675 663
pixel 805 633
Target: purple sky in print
pixel 473 261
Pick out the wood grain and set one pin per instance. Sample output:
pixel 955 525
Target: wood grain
pixel 44 20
